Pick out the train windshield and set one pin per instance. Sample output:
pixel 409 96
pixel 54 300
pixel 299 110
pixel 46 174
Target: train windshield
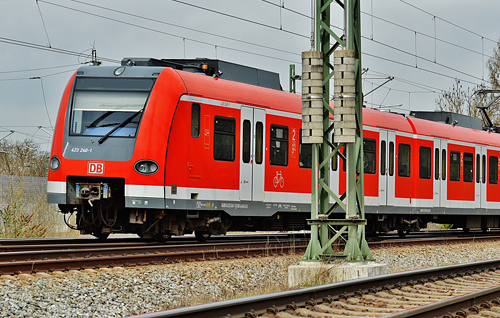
pixel 109 107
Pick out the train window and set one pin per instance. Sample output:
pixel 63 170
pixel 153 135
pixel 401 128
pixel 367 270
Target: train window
pixel 195 120
pixel 404 160
pixel 108 107
pixel 259 144
pixel 246 141
pixel 436 164
pixel 444 159
pixel 483 174
pixel 478 168
pixel 391 158
pixel 279 145
pixel 425 163
pixel 342 158
pixel 370 155
pixel 468 167
pixel 454 166
pixel 224 138
pixel 335 161
pixel 305 153
pixel 382 157
pixel 493 169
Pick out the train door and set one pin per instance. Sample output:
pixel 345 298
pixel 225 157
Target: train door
pixel 437 173
pixel 391 164
pixel 252 154
pixel 480 177
pixel 443 169
pixel 334 173
pixel 384 160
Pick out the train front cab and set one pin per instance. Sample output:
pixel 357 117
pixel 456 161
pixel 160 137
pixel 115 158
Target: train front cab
pixel 110 139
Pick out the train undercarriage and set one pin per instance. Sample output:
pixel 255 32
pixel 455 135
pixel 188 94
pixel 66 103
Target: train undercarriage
pixel 99 207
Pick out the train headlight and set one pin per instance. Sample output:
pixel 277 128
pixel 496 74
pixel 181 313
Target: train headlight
pixel 54 163
pixel 146 167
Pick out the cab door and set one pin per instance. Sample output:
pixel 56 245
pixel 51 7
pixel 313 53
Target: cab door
pixel 252 154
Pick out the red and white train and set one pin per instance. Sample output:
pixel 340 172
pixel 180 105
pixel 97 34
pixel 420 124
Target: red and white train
pixel 150 149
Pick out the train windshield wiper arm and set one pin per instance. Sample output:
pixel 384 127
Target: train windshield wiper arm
pixel 100 118
pixel 123 124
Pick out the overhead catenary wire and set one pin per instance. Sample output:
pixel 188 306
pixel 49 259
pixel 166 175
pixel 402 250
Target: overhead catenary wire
pixel 183 27
pixel 50 49
pixel 258 23
pixel 44 100
pixel 43 22
pixel 281 5
pixel 449 22
pixel 167 33
pixel 39 69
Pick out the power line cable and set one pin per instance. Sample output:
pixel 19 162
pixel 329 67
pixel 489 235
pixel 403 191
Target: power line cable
pixel 45 48
pixel 425 35
pixel 420 68
pixel 449 22
pixel 43 22
pixel 183 27
pixel 242 19
pixel 39 69
pixel 44 100
pixel 167 33
pixel 27 78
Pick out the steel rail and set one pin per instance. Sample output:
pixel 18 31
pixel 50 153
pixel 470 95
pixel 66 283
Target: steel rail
pixel 60 260
pixel 259 305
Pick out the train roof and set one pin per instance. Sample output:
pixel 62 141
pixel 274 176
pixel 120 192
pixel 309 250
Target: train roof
pixel 235 92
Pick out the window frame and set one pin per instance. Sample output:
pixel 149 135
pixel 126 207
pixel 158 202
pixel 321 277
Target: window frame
pixel 221 133
pixel 425 172
pixel 259 142
pixel 383 157
pixel 400 161
pixel 454 163
pixel 469 177
pixel 195 120
pixel 246 141
pixel 495 170
pixel 272 148
pixel 303 149
pixel 372 164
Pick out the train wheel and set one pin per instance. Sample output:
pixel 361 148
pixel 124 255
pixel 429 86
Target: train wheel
pixel 402 233
pixel 101 236
pixel 202 236
pixel 162 238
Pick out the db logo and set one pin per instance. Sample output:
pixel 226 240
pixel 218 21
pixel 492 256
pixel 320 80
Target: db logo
pixel 96 168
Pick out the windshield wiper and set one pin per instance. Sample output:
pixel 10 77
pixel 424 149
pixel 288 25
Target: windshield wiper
pixel 100 118
pixel 123 124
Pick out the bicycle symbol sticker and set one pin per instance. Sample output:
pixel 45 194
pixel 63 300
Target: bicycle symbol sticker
pixel 278 179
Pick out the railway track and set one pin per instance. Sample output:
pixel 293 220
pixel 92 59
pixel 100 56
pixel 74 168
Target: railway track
pixel 48 255
pixel 69 257
pixel 450 291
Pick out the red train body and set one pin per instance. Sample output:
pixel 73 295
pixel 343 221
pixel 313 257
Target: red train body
pixel 157 151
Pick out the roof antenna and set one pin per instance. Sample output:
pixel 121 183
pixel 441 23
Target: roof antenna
pixel 94 60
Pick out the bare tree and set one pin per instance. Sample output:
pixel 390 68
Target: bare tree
pixel 493 65
pixel 23 158
pixel 465 101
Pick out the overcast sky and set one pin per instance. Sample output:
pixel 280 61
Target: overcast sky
pixel 424 44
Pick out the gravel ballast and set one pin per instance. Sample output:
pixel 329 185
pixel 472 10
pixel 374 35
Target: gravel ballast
pixel 120 292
